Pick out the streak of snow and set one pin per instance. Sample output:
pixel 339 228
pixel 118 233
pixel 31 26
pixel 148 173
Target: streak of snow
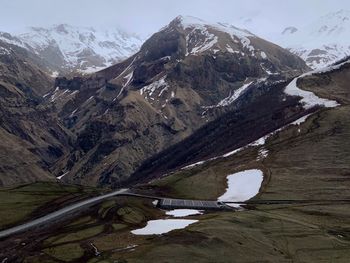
pixel 128 78
pixel 151 88
pixel 73 112
pixel 231 98
pixel 127 68
pixel 263 153
pixel 300 120
pixel 97 253
pixel 61 176
pixel 193 165
pixel 161 92
pixel 58 93
pixel 259 142
pixel 230 50
pixel 45 95
pixel 210 41
pixel 90 98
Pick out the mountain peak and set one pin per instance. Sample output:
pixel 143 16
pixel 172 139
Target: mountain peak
pixel 191 22
pixel 62 28
pixel 289 30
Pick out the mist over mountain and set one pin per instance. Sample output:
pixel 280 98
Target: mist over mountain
pixel 320 42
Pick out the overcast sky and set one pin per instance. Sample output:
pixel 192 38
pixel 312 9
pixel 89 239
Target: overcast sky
pixel 147 16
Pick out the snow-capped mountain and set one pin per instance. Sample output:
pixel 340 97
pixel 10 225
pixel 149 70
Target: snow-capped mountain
pixel 184 76
pixel 65 48
pixel 322 42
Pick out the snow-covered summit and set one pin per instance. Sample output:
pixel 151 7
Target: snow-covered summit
pixel 203 36
pixel 190 22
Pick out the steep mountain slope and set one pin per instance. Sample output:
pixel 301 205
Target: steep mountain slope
pixel 184 76
pixel 31 137
pixel 17 66
pixel 279 105
pixel 322 42
pixel 64 48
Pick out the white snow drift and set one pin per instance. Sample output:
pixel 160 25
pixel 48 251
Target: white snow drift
pixel 183 212
pixel 162 226
pixel 242 186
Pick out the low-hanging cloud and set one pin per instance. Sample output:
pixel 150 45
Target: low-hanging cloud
pixel 264 17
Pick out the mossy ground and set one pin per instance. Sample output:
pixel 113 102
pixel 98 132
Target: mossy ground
pixel 18 204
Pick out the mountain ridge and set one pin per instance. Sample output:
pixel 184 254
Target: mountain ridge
pixel 66 48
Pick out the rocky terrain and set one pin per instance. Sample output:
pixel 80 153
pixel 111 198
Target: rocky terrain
pixel 32 138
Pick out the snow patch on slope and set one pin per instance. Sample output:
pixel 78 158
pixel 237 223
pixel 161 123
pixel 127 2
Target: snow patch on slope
pixel 162 226
pixel 151 88
pixel 242 186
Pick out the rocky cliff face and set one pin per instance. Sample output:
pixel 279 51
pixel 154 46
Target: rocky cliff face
pixel 184 76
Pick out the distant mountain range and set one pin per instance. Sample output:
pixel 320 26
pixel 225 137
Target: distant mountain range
pixel 65 48
pixel 322 42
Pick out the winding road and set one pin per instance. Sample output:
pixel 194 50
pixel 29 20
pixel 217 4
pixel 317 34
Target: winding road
pixel 59 213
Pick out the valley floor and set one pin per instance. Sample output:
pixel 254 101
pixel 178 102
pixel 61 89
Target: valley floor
pixel 309 161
